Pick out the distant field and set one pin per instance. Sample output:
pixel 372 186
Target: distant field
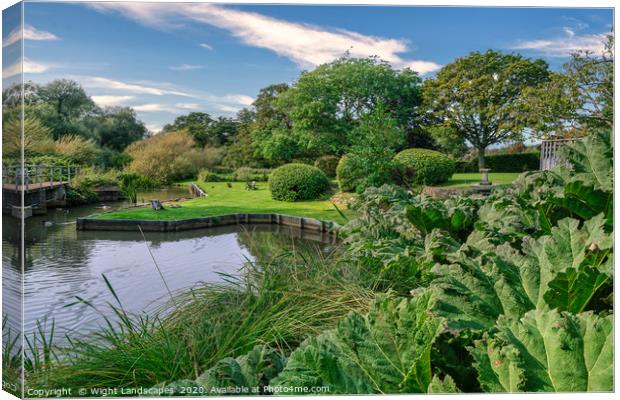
pixel 467 179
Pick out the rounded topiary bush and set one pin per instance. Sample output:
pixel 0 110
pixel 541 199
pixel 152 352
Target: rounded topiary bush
pixel 428 167
pixel 327 164
pixel 292 182
pixel 347 175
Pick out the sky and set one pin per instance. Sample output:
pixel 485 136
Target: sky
pixel 168 59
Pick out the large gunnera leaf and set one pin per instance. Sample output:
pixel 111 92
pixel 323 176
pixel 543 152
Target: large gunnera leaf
pixel 249 374
pixel 591 160
pixel 547 351
pixel 387 351
pixel 562 270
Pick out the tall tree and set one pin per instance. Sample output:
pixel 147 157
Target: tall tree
pixel 115 127
pixel 580 96
pixel 478 96
pixel 325 105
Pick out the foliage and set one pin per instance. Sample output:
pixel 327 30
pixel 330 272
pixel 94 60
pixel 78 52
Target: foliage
pixel 37 139
pixel 245 174
pixel 208 175
pixel 169 156
pixel 346 175
pixel 317 115
pixel 428 167
pixel 448 141
pixel 516 162
pixel 293 182
pixel 373 143
pixel 327 164
pixel 579 96
pixel 77 149
pixel 547 351
pixel 205 130
pixel 386 351
pixel 478 96
pixel 252 370
pixel 114 128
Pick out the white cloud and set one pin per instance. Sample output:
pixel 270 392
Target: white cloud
pixel 133 88
pixel 229 109
pixel 154 107
pixel 306 45
pixel 188 106
pixel 109 101
pixel 206 46
pixel 30 33
pixel 30 67
pixel 185 67
pixel 565 45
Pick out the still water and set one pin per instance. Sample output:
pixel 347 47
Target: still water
pixel 62 263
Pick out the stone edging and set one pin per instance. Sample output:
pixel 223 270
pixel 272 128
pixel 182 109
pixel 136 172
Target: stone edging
pixel 96 224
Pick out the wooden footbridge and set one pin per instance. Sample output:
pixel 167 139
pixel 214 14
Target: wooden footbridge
pixel 41 186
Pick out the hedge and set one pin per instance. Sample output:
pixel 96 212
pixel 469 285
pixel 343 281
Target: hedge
pixel 518 162
pixel 428 167
pixel 292 182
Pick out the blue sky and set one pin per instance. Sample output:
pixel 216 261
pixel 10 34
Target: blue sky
pixel 169 59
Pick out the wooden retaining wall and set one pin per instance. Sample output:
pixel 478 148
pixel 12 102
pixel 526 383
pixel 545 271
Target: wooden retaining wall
pixel 97 224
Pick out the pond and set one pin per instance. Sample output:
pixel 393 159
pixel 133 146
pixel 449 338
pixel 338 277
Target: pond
pixel 62 263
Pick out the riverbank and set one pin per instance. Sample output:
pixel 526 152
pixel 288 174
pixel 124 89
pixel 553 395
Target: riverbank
pixel 224 200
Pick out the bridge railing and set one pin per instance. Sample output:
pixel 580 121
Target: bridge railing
pixel 37 175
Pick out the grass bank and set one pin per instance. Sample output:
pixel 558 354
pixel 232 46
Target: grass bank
pixel 467 179
pixel 223 200
pixel 278 302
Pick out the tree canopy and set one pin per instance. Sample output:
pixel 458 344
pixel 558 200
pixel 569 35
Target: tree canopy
pixel 316 115
pixel 478 96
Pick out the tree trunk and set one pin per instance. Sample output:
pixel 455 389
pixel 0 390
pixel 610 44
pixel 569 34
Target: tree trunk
pixel 481 163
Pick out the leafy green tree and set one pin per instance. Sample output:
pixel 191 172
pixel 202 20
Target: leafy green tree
pixel 243 151
pixel 60 105
pixel 325 105
pixel 115 127
pixel 582 95
pixel 271 130
pixel 478 96
pixel 373 145
pixel 205 130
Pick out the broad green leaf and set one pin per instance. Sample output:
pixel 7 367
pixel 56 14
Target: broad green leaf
pixel 387 351
pixel 560 270
pixel 473 291
pixel 445 385
pixel 585 201
pixel 591 159
pixel 547 351
pixel 252 370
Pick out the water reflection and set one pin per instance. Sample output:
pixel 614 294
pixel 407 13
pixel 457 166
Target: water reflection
pixel 62 263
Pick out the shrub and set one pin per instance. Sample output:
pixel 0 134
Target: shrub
pixel 77 149
pixel 292 182
pixel 347 175
pixel 245 174
pixel 167 157
pixel 327 164
pixel 429 167
pixel 518 162
pixel 210 175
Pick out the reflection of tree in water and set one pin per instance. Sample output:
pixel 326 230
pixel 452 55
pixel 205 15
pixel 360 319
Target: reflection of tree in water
pixel 284 242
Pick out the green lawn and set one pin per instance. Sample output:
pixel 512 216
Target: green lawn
pixel 223 200
pixel 467 179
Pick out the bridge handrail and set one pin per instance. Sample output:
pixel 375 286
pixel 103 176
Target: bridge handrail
pixel 37 174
